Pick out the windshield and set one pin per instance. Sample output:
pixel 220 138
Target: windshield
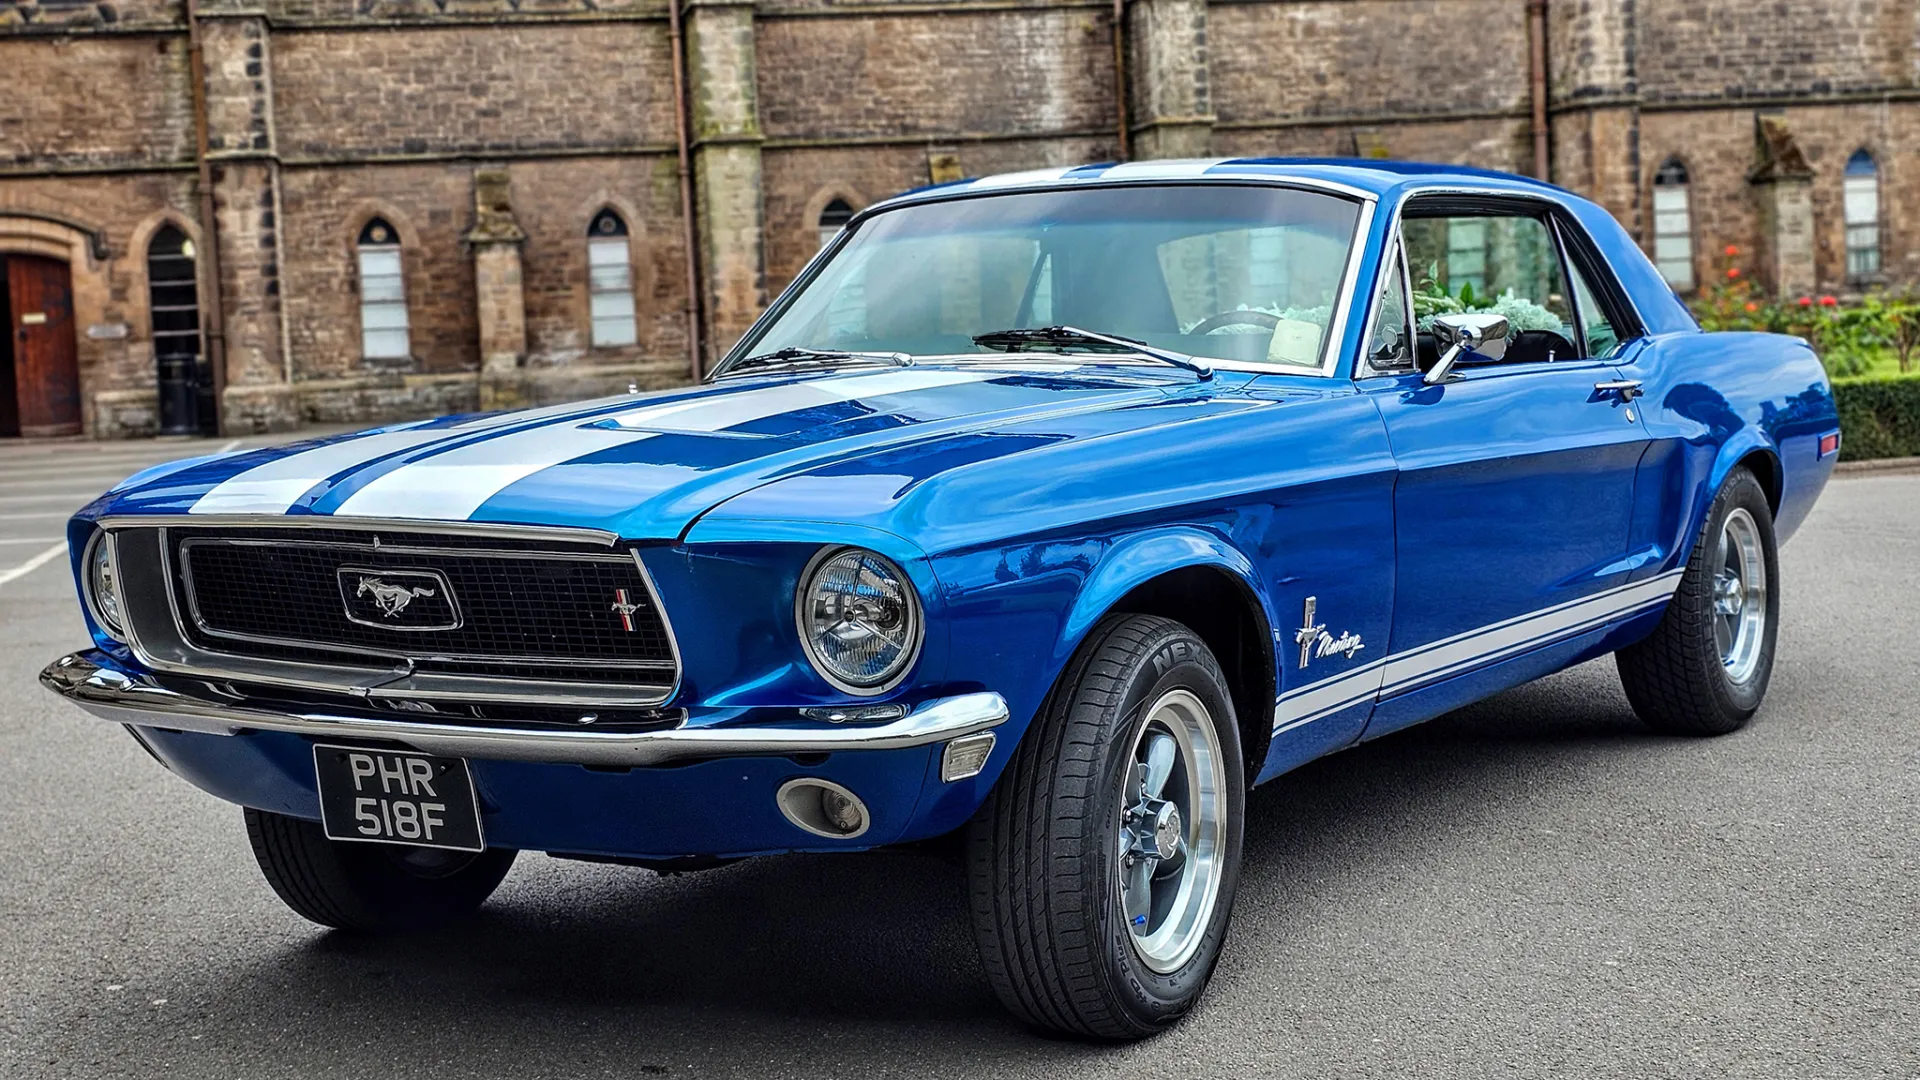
pixel 1228 273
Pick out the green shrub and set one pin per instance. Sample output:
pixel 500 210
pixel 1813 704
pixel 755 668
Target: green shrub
pixel 1879 416
pixel 1877 330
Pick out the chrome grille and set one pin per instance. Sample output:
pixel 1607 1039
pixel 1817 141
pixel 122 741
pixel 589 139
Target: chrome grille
pixel 529 610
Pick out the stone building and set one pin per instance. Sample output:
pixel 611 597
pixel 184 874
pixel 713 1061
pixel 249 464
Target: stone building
pixel 373 209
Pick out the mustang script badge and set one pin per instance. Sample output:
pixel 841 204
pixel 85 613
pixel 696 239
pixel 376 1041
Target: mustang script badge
pixel 1315 642
pixel 398 599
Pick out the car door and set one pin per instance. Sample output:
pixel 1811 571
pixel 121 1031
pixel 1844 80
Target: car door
pixel 1515 478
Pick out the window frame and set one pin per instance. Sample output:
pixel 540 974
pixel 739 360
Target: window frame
pixel 154 333
pixel 1685 187
pixel 826 241
pixel 1847 225
pixel 361 247
pixel 623 239
pixel 1346 299
pixel 1387 266
pixel 1572 245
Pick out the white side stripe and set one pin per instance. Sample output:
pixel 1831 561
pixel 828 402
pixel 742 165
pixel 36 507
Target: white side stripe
pixel 451 486
pixel 1314 700
pixel 1461 652
pixel 1488 643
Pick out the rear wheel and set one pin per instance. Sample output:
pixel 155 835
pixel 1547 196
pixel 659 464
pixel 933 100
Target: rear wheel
pixel 1104 865
pixel 1704 669
pixel 377 888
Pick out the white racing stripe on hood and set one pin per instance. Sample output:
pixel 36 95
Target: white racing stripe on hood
pixel 451 486
pixel 275 486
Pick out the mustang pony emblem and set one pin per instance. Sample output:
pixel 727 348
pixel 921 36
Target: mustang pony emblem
pixel 1315 642
pixel 390 599
pixel 625 609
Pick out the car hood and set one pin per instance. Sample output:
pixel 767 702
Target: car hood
pixel 641 466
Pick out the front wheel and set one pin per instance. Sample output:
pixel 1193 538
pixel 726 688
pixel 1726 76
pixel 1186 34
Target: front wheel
pixel 376 888
pixel 1103 867
pixel 1704 669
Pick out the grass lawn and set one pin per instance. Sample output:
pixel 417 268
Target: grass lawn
pixel 1886 362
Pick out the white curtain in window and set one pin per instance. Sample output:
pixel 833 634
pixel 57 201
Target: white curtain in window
pixel 610 284
pixel 383 305
pixel 1673 235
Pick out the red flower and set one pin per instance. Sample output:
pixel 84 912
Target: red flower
pixel 1828 301
pixel 1732 251
pixel 1806 301
pixel 1751 306
pixel 1732 272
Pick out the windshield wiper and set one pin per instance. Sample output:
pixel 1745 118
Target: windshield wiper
pixel 795 356
pixel 1016 339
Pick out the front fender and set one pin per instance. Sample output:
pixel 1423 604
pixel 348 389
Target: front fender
pixel 1017 613
pixel 1138 559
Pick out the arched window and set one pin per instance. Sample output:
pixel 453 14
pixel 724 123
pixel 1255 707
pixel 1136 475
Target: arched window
pixel 610 280
pixel 173 300
pixel 834 218
pixel 383 294
pixel 1673 225
pixel 1862 201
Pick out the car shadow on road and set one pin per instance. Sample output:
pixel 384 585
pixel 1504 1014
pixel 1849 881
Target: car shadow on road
pixel 603 964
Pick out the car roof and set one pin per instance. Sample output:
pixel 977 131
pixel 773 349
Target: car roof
pixel 1361 175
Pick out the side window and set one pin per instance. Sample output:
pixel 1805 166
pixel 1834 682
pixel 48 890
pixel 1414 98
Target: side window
pixel 1390 344
pixel 1602 335
pixel 1501 263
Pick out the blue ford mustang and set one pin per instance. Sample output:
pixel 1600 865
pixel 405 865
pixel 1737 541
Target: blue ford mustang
pixel 1055 508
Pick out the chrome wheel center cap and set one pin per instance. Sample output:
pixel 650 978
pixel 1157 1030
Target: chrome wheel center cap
pixel 1166 831
pixel 1729 594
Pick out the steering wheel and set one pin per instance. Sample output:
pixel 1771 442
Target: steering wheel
pixel 1236 318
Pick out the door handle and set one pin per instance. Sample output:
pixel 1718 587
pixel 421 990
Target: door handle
pixel 1626 389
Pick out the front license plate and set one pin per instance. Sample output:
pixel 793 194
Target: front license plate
pixel 397 797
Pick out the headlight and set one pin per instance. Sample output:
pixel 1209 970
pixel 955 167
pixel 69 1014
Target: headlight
pixel 103 586
pixel 859 619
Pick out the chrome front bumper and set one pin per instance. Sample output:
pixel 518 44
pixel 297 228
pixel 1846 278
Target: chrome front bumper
pixel 141 700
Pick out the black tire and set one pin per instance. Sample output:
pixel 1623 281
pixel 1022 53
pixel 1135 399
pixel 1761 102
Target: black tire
pixel 1043 870
pixel 1677 679
pixel 373 888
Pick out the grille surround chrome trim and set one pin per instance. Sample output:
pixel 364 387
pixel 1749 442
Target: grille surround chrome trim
pixel 391 676
pixel 416 656
pixel 564 533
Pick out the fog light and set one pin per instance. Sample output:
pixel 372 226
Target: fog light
pixel 823 808
pixel 966 756
pixel 840 809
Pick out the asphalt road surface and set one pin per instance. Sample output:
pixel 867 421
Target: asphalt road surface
pixel 1533 886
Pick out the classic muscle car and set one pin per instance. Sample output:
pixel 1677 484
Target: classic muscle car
pixel 1053 510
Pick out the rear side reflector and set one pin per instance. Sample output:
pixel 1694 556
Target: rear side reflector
pixel 1829 444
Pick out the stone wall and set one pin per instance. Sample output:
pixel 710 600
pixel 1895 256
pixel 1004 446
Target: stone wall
pixel 324 113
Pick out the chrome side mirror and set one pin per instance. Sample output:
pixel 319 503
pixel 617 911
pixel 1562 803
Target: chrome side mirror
pixel 1479 332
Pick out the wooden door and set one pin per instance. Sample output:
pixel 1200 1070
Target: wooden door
pixel 46 369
